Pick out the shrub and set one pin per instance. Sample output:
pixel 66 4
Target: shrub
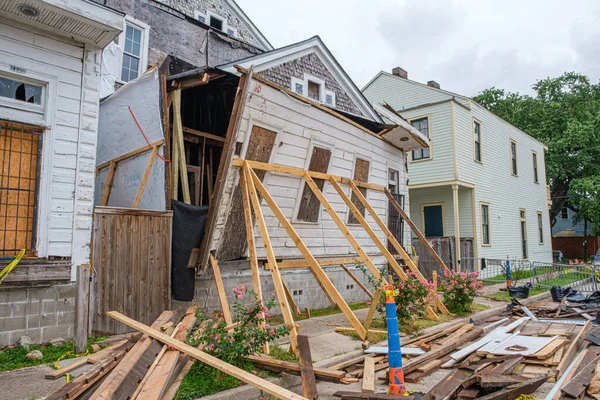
pixel 460 290
pixel 246 338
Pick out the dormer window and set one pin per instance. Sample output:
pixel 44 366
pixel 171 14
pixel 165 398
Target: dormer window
pixel 313 88
pixel 216 23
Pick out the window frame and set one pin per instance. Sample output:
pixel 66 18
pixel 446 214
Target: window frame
pixel 430 148
pixel 534 159
pixel 489 224
pixel 323 91
pixel 560 215
pixel 540 221
pixel 145 32
pixel 514 167
pixel 475 142
pixel 24 105
pixel 523 230
pixel 363 157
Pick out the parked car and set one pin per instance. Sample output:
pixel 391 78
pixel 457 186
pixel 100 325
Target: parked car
pixel 557 255
pixel 596 259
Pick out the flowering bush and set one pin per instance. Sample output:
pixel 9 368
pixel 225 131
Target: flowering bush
pixel 577 262
pixel 460 289
pixel 248 336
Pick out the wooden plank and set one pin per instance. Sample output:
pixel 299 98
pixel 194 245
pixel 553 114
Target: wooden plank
pixel 290 298
pixel 577 385
pixel 448 386
pixel 130 154
pixel 594 387
pixel 513 392
pixel 264 233
pixel 358 282
pixel 572 350
pixel 82 305
pixel 107 351
pixel 221 290
pixel 457 334
pixel 109 182
pixel 295 368
pixel 309 208
pixel 551 348
pixel 208 359
pixel 144 181
pixel 309 384
pixel 369 396
pixel 368 385
pixel 206 135
pixel 380 245
pixel 301 172
pixel 178 138
pixel 372 308
pixel 65 370
pixel 323 262
pixel 417 232
pixel 316 269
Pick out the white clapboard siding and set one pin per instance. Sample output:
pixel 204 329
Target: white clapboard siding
pixel 298 126
pixel 70 115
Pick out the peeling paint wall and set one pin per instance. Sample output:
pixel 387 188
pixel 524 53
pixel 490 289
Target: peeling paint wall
pixel 118 134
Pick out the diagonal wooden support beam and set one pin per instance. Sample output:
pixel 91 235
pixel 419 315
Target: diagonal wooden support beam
pixel 140 192
pixel 277 281
pixel 256 285
pixel 417 232
pixel 317 270
pixel 380 245
pixel 342 227
pixel 358 282
pixel 221 290
pixel 388 234
pixel 108 184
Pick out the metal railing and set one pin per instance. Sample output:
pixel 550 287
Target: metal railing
pixel 493 271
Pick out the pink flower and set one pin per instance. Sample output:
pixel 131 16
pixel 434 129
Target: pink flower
pixel 570 262
pixel 254 372
pixel 272 332
pixel 267 326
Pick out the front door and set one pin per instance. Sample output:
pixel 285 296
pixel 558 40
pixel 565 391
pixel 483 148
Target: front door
pixel 434 224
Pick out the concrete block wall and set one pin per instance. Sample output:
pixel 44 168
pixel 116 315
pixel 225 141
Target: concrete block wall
pixel 42 313
pixel 302 284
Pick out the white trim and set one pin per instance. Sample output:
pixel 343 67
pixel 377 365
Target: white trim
pixel 210 14
pixel 310 78
pixel 313 45
pixel 200 14
pixel 19 104
pixel 145 29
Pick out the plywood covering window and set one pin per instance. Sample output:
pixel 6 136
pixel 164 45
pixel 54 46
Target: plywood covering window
pixel 309 203
pixel 361 173
pixel 20 151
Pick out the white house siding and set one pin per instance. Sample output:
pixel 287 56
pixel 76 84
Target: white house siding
pixel 298 125
pixel 70 118
pixel 506 194
pixel 402 93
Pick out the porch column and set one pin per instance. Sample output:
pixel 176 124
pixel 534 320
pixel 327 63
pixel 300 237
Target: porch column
pixel 456 227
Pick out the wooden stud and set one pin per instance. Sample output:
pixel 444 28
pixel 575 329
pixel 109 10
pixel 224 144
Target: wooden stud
pixel 327 285
pixel 372 308
pixel 380 245
pixel 368 385
pixel 323 262
pixel 81 309
pixel 130 154
pixel 203 135
pixel 175 164
pixel 140 192
pixel 205 358
pixel 572 349
pixel 307 312
pixel 178 138
pixel 309 384
pixel 358 282
pixel 277 281
pixel 417 232
pixel 202 171
pixel 108 184
pixel 221 290
pixel 256 285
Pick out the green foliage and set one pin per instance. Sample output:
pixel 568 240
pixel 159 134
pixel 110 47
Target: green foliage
pixel 281 354
pixel 460 290
pixel 565 115
pixel 248 337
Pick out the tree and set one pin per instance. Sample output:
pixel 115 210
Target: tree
pixel 565 115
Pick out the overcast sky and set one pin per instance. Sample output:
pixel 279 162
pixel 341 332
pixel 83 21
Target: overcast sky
pixel 464 45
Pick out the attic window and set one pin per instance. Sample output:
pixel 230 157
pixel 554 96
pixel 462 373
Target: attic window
pixel 216 23
pixel 314 90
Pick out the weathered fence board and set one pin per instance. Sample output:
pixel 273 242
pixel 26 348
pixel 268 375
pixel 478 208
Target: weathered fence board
pixel 132 262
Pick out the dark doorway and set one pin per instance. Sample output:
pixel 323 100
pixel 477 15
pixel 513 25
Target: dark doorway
pixel 434 224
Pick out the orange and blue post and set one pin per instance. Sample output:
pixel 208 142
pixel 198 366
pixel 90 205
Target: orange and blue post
pixel 397 385
pixel 508 273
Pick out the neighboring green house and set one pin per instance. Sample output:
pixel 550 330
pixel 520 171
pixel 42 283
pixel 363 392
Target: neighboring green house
pixel 481 179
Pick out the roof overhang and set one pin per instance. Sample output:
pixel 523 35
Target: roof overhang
pixel 404 135
pixel 80 20
pixel 279 56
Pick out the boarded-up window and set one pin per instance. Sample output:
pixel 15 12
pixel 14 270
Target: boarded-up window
pixel 20 147
pixel 309 203
pixel 233 242
pixel 361 173
pixel 314 90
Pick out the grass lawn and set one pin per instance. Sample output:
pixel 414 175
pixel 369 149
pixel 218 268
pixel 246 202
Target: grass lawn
pixel 14 357
pixel 278 319
pixel 203 379
pixel 503 296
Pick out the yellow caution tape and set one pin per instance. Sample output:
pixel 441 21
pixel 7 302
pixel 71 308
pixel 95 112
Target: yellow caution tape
pixel 526 397
pixel 4 273
pixel 68 376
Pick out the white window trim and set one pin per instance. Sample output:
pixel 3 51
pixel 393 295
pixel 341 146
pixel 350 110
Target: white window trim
pixel 410 153
pixel 235 31
pixel 480 161
pixel 481 204
pixel 324 145
pixel 210 14
pixel 323 92
pixel 540 228
pixel 145 28
pixel 23 105
pixel 200 14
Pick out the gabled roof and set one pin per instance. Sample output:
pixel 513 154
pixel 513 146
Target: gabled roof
pixel 279 56
pixel 255 31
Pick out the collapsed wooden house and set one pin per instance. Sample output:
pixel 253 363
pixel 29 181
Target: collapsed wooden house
pixel 291 171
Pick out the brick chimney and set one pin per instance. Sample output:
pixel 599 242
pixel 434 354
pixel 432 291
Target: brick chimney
pixel 400 72
pixel 433 84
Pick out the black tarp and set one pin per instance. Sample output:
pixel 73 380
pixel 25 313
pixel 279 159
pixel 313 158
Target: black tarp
pixel 188 230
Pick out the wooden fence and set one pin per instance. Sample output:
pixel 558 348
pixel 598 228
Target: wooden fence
pixel 572 247
pixel 131 257
pixel 444 246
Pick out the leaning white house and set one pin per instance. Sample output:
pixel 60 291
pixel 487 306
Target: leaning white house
pixel 50 53
pixel 481 180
